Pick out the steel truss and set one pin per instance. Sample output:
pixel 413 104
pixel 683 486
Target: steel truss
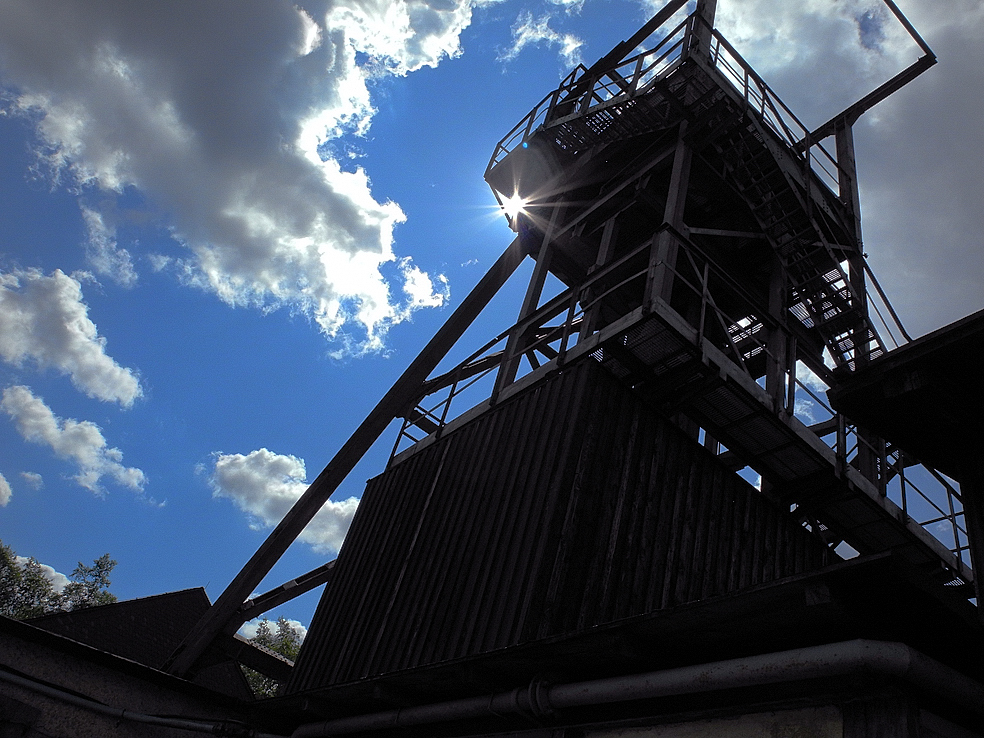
pixel 727 326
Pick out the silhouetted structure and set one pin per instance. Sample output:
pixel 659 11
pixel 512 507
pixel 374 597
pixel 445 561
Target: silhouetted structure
pixel 650 520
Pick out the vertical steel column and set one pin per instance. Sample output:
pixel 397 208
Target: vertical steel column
pixel 777 341
pixel 972 498
pixel 702 28
pixel 847 175
pixel 663 257
pixel 869 461
pixel 592 316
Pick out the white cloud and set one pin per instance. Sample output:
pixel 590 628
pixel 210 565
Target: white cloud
pixel 215 113
pixel 5 492
pixel 809 379
pixel 571 6
pixel 57 579
pixel 804 410
pixel 921 175
pixel 920 188
pixel 33 480
pixel 420 289
pixel 79 441
pixel 105 256
pixel 403 36
pixel 45 320
pixel 535 31
pixel 265 485
pixel 249 628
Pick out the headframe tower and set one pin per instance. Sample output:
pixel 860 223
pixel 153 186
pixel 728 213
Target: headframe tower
pixel 707 247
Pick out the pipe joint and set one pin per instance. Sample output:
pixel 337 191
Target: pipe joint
pixel 531 702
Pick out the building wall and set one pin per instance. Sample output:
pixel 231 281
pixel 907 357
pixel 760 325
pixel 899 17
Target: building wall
pixel 100 677
pixel 568 506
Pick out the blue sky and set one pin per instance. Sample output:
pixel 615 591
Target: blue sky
pixel 225 231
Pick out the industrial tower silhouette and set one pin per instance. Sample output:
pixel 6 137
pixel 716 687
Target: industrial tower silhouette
pixel 634 519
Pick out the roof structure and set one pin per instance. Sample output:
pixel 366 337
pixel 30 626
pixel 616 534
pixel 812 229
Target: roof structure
pixel 146 630
pixel 635 527
pixel 930 383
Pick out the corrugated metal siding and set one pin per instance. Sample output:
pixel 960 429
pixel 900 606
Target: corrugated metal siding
pixel 568 506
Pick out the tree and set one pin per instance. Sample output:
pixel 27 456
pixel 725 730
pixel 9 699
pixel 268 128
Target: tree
pixel 26 592
pixel 37 594
pixel 10 579
pixel 90 584
pixel 286 641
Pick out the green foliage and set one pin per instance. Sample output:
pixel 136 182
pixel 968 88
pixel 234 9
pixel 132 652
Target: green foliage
pixel 25 592
pixel 286 641
pixel 90 584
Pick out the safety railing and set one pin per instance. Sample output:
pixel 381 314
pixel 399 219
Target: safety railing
pixel 630 77
pixel 922 493
pixel 638 74
pixel 701 292
pixel 576 96
pixel 770 108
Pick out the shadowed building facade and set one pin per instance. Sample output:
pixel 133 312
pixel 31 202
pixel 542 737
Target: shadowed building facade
pixel 578 552
pixel 650 520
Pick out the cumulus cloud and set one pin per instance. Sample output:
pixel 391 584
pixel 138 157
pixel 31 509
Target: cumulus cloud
pixel 5 492
pixel 265 485
pixel 44 319
pixel 33 480
pixel 529 31
pixel 79 441
pixel 249 628
pixel 920 181
pixel 403 36
pixel 420 289
pixel 805 410
pixel 920 190
pixel 216 113
pixel 809 379
pixel 57 579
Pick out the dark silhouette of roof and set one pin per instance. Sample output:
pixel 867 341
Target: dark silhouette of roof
pixel 925 396
pixel 145 630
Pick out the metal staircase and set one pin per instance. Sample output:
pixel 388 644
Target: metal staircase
pixel 820 293
pixel 686 354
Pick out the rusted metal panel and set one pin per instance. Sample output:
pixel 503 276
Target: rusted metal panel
pixel 568 506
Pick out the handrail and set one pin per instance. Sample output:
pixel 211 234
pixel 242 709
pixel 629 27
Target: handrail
pixel 526 127
pixel 696 273
pixel 769 102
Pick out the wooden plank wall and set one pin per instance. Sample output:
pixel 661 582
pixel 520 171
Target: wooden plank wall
pixel 568 506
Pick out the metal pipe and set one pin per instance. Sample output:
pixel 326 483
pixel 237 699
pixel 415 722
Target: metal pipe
pixel 836 659
pixel 224 728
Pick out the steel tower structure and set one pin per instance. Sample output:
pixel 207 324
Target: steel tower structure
pixel 707 247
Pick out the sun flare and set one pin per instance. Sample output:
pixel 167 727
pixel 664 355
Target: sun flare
pixel 514 205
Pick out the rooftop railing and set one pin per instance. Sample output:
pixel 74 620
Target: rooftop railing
pixel 583 92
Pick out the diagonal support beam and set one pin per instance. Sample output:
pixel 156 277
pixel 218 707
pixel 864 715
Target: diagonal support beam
pixel 393 404
pixel 623 49
pixel 900 80
pixel 287 591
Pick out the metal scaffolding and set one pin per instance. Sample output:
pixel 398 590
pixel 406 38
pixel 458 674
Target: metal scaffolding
pixel 708 248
